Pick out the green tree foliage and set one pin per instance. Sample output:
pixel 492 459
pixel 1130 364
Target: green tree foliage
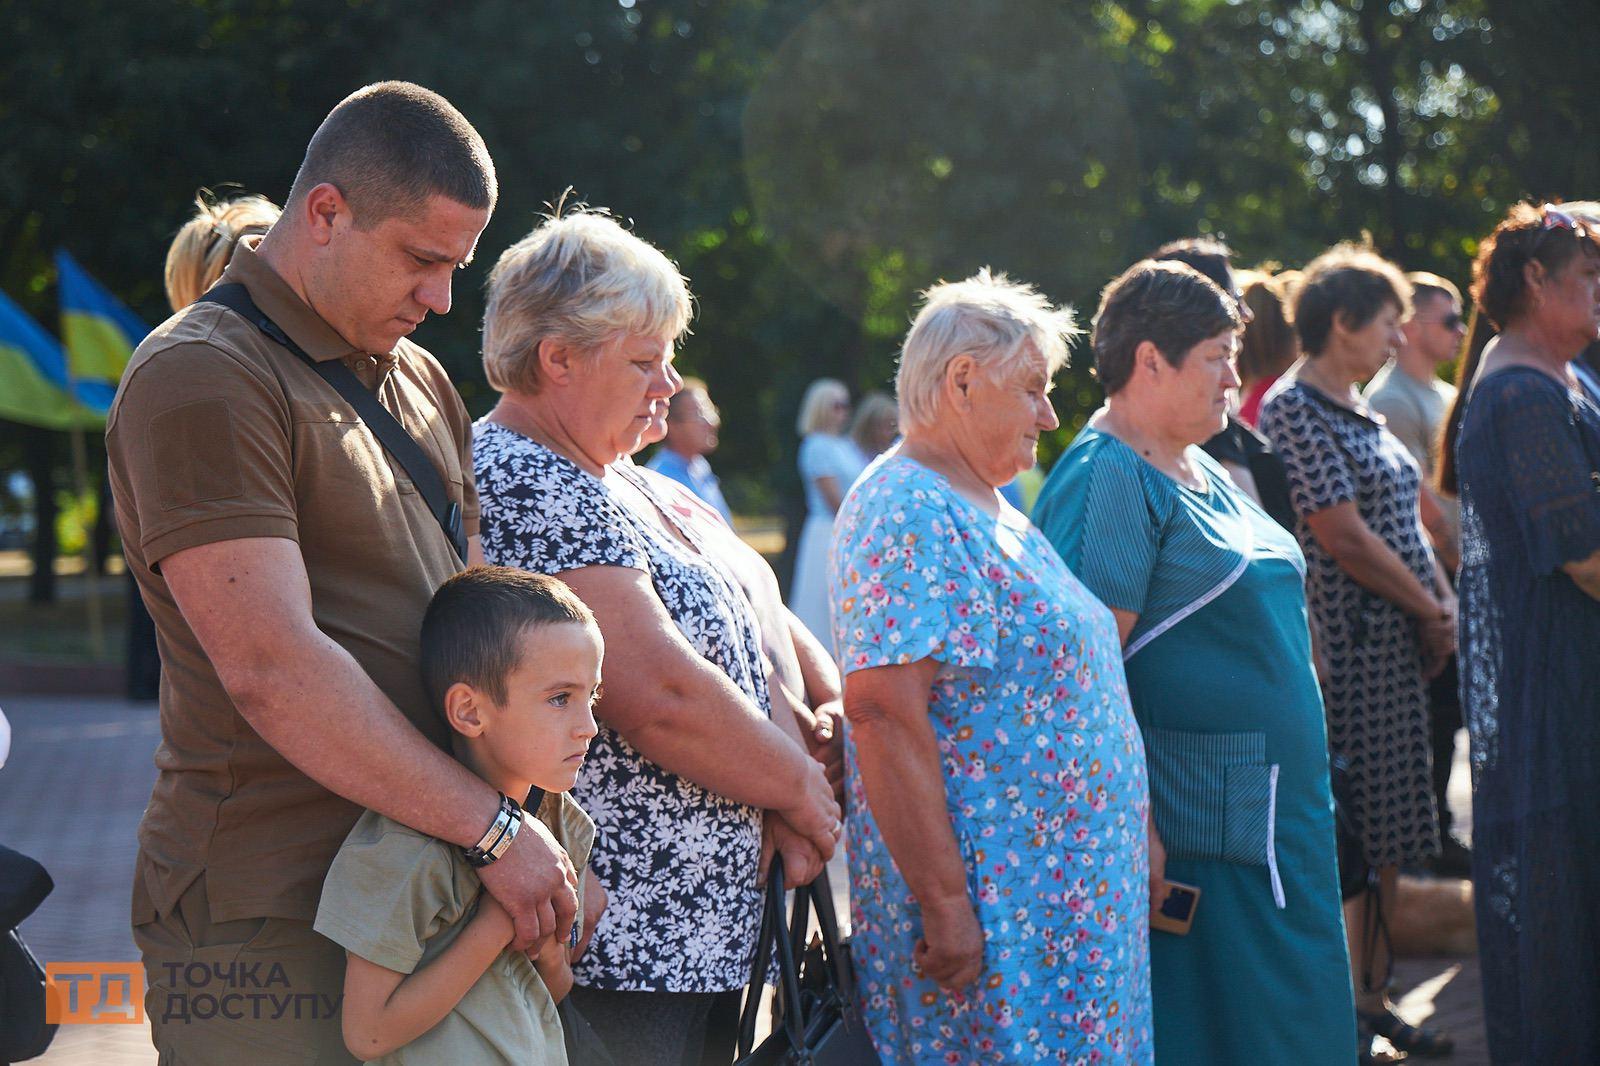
pixel 813 165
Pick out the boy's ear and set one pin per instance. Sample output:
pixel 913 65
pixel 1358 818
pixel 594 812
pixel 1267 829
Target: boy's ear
pixel 463 709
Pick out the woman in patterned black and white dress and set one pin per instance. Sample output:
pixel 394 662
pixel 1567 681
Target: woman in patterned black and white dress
pixel 1380 603
pixel 688 771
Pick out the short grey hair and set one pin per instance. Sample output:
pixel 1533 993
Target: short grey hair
pixel 582 279
pixel 989 317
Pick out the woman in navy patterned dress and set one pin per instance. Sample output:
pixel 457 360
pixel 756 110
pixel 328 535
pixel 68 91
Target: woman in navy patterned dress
pixel 1527 460
pixel 1379 601
pixel 687 772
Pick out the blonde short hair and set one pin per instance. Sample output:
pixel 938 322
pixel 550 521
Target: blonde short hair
pixel 201 250
pixel 820 395
pixel 580 278
pixel 987 316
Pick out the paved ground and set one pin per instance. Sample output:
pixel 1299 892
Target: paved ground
pixel 71 795
pixel 80 774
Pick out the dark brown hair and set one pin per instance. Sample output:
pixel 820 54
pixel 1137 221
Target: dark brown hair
pixel 1211 257
pixel 1499 284
pixel 390 146
pixel 473 627
pixel 1349 280
pixel 1170 304
pixel 1479 334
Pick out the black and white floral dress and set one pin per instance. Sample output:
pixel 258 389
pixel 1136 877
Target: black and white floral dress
pixel 1376 696
pixel 678 862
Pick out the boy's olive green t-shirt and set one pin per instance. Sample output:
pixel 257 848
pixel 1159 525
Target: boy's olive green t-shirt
pixel 398 898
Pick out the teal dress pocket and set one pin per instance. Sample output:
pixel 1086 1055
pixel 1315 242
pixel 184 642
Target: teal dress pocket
pixel 1214 797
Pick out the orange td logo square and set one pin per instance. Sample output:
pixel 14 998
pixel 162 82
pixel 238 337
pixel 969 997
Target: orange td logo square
pixel 94 993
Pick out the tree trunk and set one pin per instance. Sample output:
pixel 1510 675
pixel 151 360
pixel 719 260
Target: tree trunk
pixel 39 453
pixel 100 535
pixel 1380 76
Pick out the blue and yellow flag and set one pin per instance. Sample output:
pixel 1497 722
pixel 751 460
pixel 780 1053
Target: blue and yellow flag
pixel 98 331
pixel 33 376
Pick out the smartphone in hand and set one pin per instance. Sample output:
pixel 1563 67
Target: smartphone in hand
pixel 1175 912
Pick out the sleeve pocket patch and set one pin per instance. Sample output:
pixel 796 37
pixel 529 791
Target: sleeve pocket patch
pixel 195 454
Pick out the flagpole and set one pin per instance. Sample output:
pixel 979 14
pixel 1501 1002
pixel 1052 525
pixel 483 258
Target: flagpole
pixel 91 578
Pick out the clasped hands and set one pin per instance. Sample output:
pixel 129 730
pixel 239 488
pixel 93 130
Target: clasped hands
pixel 806 833
pixel 1438 637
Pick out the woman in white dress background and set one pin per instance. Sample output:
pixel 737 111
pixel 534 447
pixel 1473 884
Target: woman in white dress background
pixel 829 465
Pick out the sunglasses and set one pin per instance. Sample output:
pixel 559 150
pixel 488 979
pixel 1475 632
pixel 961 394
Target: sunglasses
pixel 1454 320
pixel 1552 218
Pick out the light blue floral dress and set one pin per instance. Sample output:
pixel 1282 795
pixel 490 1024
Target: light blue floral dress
pixel 1045 782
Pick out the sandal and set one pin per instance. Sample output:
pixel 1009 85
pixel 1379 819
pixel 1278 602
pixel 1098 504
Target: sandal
pixel 1423 1043
pixel 1368 1057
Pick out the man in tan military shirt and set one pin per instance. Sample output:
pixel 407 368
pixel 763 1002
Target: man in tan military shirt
pixel 287 560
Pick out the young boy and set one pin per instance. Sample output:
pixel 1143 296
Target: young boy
pixel 512 661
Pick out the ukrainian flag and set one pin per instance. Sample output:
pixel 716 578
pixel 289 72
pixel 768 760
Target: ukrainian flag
pixel 100 334
pixel 33 375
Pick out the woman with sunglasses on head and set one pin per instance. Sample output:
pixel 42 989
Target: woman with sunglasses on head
pixel 1526 463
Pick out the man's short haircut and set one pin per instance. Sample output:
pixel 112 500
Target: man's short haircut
pixel 1425 286
pixel 987 316
pixel 580 278
pixel 685 399
pixel 1170 304
pixel 1351 280
pixel 391 146
pixel 473 628
pixel 1210 256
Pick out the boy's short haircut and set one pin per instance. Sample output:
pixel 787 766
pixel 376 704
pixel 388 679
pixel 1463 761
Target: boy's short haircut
pixel 473 627
pixel 390 146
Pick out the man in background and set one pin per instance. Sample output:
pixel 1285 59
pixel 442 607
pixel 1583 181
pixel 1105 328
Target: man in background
pixel 692 425
pixel 1410 396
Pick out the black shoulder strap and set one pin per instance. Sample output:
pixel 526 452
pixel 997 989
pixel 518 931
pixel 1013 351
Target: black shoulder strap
pixel 390 433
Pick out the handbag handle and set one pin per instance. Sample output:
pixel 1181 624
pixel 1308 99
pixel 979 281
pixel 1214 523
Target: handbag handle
pixel 787 939
pixel 774 936
pixel 820 894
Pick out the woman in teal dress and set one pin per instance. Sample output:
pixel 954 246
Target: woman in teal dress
pixel 1209 598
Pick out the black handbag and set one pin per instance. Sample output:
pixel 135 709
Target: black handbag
pixel 584 1046
pixel 818 1022
pixel 24 1033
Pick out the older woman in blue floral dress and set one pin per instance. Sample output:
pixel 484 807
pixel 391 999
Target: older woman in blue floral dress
pixel 998 803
